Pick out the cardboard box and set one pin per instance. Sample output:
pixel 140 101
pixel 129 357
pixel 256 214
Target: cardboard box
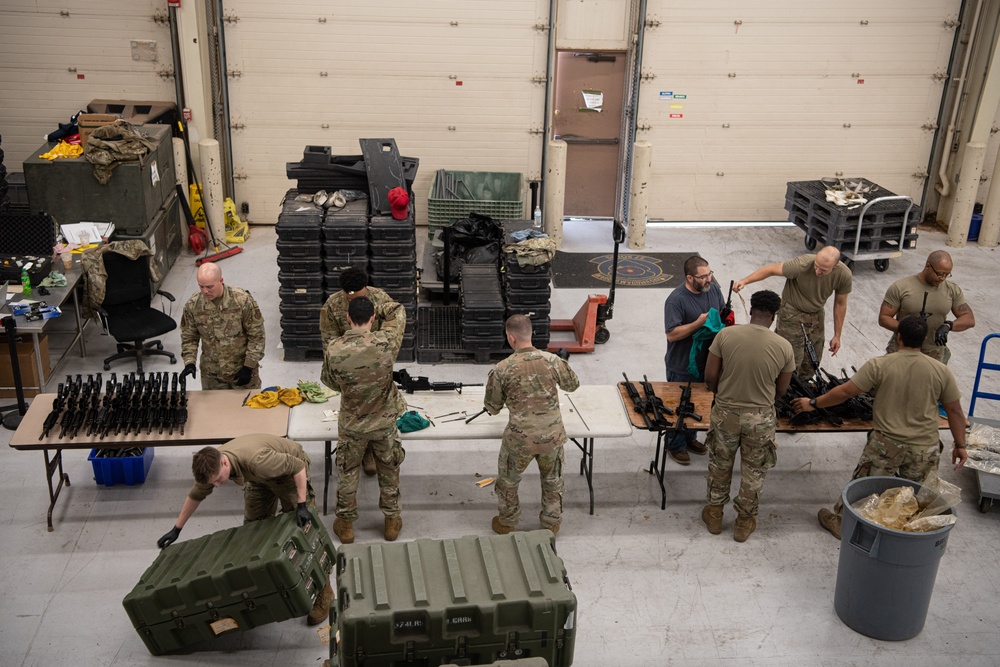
pixel 89 122
pixel 26 361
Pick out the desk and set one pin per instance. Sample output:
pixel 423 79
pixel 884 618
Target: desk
pixel 670 393
pixel 57 297
pixel 214 417
pixel 592 411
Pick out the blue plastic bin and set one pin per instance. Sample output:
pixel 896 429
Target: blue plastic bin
pixel 977 222
pixel 127 470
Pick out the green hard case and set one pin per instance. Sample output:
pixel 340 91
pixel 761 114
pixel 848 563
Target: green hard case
pixel 230 581
pixel 470 600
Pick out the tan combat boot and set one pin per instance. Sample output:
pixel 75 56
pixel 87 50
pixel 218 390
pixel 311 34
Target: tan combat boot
pixel 393 524
pixel 830 521
pixel 712 516
pixel 344 530
pixel 499 528
pixel 744 526
pixel 321 607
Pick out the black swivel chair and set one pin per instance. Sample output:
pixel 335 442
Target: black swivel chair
pixel 126 313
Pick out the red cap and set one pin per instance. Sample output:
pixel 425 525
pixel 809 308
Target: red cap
pixel 400 202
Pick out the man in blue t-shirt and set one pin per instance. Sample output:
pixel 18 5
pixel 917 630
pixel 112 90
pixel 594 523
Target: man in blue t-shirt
pixel 684 312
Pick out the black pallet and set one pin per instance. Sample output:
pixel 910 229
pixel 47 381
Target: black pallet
pixel 809 197
pixel 300 297
pixel 297 249
pixel 307 281
pixel 439 338
pixel 406 355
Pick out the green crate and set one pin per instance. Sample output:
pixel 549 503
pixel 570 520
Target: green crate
pixel 497 194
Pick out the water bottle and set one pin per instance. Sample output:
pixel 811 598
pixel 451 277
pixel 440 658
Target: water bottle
pixel 537 218
pixel 25 283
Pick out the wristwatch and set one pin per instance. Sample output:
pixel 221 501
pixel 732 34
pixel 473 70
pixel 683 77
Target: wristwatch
pixel 812 402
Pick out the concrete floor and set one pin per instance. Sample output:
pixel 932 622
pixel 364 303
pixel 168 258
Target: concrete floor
pixel 653 586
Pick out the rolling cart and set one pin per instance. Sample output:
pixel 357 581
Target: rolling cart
pixel 881 256
pixel 988 483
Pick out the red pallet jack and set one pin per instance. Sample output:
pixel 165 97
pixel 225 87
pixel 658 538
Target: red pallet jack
pixel 589 322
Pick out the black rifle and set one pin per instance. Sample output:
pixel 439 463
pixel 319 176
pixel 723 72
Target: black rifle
pixel 53 417
pixel 728 308
pixel 420 383
pixel 655 403
pixel 685 408
pixel 805 391
pixel 182 403
pixel 638 404
pixel 813 361
pixel 923 309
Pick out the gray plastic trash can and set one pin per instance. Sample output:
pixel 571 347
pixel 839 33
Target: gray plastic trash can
pixel 885 577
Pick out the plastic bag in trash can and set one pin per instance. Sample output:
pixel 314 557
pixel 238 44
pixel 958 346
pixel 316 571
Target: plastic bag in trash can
pixel 936 496
pixel 892 509
pixel 929 523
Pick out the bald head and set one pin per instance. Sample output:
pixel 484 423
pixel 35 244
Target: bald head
pixel 210 280
pixel 826 260
pixel 937 269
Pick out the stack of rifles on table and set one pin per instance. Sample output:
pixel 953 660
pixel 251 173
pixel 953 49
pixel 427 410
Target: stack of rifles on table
pixel 652 409
pixel 136 404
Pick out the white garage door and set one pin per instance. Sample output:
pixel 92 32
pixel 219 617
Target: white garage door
pixel 451 82
pixel 741 98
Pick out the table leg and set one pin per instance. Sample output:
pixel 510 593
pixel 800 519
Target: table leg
pixel 52 465
pixel 38 361
pixel 587 465
pixel 79 322
pixel 658 467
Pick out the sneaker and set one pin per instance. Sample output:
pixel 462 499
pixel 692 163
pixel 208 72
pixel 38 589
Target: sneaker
pixel 368 463
pixel 712 516
pixel 393 524
pixel 744 526
pixel 830 522
pixel 501 529
pixel 696 447
pixel 321 607
pixel 344 530
pixel 680 456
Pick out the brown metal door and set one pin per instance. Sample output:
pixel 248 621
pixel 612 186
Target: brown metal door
pixel 588 116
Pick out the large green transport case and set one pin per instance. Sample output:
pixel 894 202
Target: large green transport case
pixel 469 601
pixel 232 580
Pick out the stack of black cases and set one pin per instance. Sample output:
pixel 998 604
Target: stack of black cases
pixel 482 308
pixel 393 268
pixel 527 290
pixel 300 277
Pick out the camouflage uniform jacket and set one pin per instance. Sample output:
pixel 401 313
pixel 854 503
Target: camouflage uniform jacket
pixel 92 263
pixel 333 318
pixel 359 365
pixel 231 332
pixel 526 382
pixel 258 458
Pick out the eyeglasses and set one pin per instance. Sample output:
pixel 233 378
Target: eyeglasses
pixel 939 274
pixel 707 276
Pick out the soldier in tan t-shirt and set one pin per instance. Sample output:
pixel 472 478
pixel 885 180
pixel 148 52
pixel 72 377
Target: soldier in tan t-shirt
pixel 906 297
pixel 748 368
pixel 810 280
pixel 904 441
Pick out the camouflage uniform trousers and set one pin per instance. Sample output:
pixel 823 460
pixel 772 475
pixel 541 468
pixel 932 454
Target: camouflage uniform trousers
pixel 511 464
pixel 261 500
pixel 939 352
pixel 211 381
pixel 789 327
pixel 885 456
pixel 389 454
pixel 749 431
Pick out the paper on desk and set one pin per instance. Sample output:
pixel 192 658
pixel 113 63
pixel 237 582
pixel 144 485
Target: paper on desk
pixel 95 230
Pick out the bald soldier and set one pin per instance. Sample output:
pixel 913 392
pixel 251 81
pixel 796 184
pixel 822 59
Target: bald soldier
pixel 809 282
pixel 228 323
pixel 906 297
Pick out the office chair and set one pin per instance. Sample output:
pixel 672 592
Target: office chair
pixel 126 312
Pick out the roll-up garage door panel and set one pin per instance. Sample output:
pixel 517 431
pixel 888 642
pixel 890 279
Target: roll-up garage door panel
pixel 389 69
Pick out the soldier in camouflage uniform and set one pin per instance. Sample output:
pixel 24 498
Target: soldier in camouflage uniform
pixel 906 297
pixel 904 440
pixel 230 327
pixel 273 472
pixel 333 322
pixel 749 367
pixel 526 382
pixel 810 280
pixel 359 365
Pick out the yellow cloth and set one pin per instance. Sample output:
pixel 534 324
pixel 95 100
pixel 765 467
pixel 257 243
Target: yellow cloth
pixel 62 149
pixel 269 399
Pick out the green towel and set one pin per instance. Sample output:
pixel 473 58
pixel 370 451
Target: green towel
pixel 411 421
pixel 701 340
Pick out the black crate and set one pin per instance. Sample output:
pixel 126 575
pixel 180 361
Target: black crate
pixel 295 209
pixel 397 249
pixel 301 296
pixel 394 281
pixel 351 253
pixel 483 329
pixel 540 312
pixel 392 230
pixel 299 265
pixel 298 231
pixel 511 265
pixel 294 311
pixel 25 234
pixel 537 297
pixel 299 327
pixel 297 249
pixel 302 348
pixel 406 355
pixel 349 223
pixel 527 281
pixel 541 326
pixel 345 233
pixel 383 265
pixel 484 344
pixel 333 267
pixel 307 281
pixel 482 313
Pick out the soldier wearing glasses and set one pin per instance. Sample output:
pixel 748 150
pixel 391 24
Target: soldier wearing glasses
pixel 906 297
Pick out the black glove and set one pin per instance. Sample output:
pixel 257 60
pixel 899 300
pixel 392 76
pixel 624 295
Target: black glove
pixel 941 335
pixel 563 354
pixel 243 376
pixel 191 370
pixel 302 515
pixel 169 538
